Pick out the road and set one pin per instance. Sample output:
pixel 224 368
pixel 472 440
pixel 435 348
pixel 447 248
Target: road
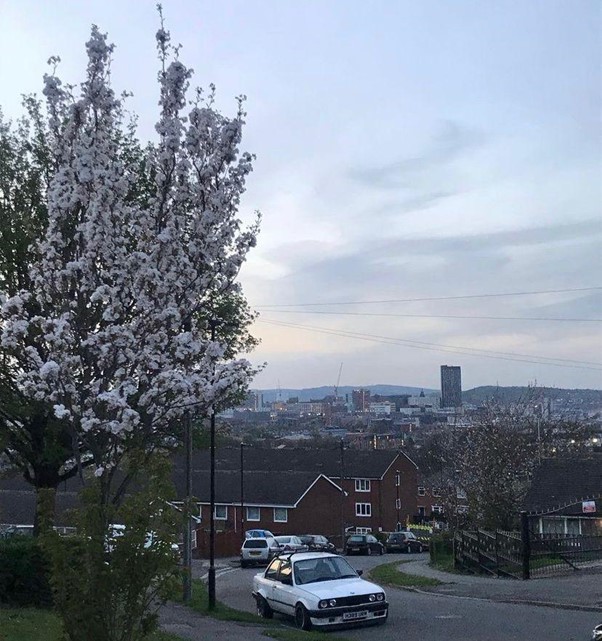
pixel 428 617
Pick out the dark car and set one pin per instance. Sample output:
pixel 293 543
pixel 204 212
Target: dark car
pixel 317 543
pixel 404 542
pixel 363 544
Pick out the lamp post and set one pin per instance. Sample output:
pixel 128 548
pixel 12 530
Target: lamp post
pixel 187 576
pixel 398 500
pixel 242 493
pixel 342 497
pixel 211 573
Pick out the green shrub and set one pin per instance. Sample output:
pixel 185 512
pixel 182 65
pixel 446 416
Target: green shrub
pixel 24 571
pixel 441 547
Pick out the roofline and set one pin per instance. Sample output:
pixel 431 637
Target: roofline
pixel 340 489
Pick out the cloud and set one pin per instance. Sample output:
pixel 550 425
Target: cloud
pixel 447 145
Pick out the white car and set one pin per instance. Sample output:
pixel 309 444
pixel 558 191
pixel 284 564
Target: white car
pixel 258 550
pixel 291 544
pixel 319 590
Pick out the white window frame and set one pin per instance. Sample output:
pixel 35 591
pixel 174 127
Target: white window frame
pixel 436 509
pixel 363 530
pixel 220 518
pixel 421 491
pixel 285 519
pixel 363 510
pixel 436 492
pixel 362 485
pixel 249 517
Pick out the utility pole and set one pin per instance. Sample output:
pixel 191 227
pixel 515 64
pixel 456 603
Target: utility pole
pixel 398 500
pixel 187 577
pixel 342 496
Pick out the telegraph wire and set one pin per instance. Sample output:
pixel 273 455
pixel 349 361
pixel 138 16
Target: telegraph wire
pixel 436 298
pixel 384 314
pixel 468 351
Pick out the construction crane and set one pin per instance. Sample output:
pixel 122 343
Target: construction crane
pixel 336 387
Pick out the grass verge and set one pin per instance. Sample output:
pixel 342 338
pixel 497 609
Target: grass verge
pixel 30 624
pixel 200 604
pixel 389 574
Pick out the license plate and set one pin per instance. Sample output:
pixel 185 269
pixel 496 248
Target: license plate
pixel 354 549
pixel 350 616
pixel 254 553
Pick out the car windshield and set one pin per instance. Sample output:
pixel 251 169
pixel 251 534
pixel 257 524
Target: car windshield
pixel 322 569
pixel 357 539
pixel 284 539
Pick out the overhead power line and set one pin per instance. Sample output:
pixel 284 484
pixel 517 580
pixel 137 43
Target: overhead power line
pixel 469 351
pixel 435 298
pixel 384 314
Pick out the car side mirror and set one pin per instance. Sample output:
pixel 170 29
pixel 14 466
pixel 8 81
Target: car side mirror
pixel 359 572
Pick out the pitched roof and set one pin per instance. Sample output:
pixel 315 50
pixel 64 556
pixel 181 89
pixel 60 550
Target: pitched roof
pixel 260 487
pixel 369 464
pixel 565 482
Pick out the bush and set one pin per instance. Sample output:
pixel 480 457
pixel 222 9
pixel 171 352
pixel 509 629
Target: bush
pixel 441 547
pixel 24 568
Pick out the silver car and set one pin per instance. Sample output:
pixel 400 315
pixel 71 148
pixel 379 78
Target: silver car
pixel 291 544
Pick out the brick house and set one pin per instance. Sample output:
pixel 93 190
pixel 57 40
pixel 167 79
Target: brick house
pixel 300 490
pixel 565 496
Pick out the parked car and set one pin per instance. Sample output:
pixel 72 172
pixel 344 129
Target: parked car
pixel 363 544
pixel 258 534
pixel 597 633
pixel 404 542
pixel 319 590
pixel 291 544
pixel 317 543
pixel 258 550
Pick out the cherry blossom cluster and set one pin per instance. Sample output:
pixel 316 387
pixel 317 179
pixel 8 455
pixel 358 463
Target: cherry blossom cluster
pixel 113 331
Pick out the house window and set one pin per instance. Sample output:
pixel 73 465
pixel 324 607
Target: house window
pixel 280 515
pixel 436 491
pixel 436 509
pixel 253 514
pixel 363 530
pixel 397 479
pixel 421 491
pixel 398 504
pixel 221 512
pixel 362 485
pixel 363 509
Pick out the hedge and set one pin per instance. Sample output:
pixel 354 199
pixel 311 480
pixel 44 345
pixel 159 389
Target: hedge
pixel 23 573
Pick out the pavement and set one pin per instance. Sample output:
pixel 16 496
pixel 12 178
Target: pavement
pixel 579 590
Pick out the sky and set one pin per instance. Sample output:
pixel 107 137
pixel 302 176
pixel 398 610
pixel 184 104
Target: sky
pixel 428 173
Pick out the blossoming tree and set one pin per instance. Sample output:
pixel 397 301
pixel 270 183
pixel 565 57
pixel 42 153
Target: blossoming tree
pixel 118 328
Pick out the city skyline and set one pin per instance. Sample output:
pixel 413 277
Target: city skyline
pixel 427 154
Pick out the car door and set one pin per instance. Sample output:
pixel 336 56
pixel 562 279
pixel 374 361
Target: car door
pixel 284 590
pixel 373 544
pixel 271 581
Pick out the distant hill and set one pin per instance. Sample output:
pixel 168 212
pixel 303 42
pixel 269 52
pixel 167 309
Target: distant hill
pixel 309 393
pixel 577 397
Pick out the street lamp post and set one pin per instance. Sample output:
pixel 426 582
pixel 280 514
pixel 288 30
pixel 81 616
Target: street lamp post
pixel 398 500
pixel 242 494
pixel 211 573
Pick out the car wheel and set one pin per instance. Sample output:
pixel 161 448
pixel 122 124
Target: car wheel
pixel 419 548
pixel 382 550
pixel 243 564
pixel 369 552
pixel 302 619
pixel 263 608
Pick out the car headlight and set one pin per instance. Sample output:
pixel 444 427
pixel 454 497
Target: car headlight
pixel 327 603
pixel 372 597
pixel 380 596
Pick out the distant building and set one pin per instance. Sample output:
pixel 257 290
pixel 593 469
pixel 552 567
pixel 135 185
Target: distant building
pixel 361 400
pixel 451 386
